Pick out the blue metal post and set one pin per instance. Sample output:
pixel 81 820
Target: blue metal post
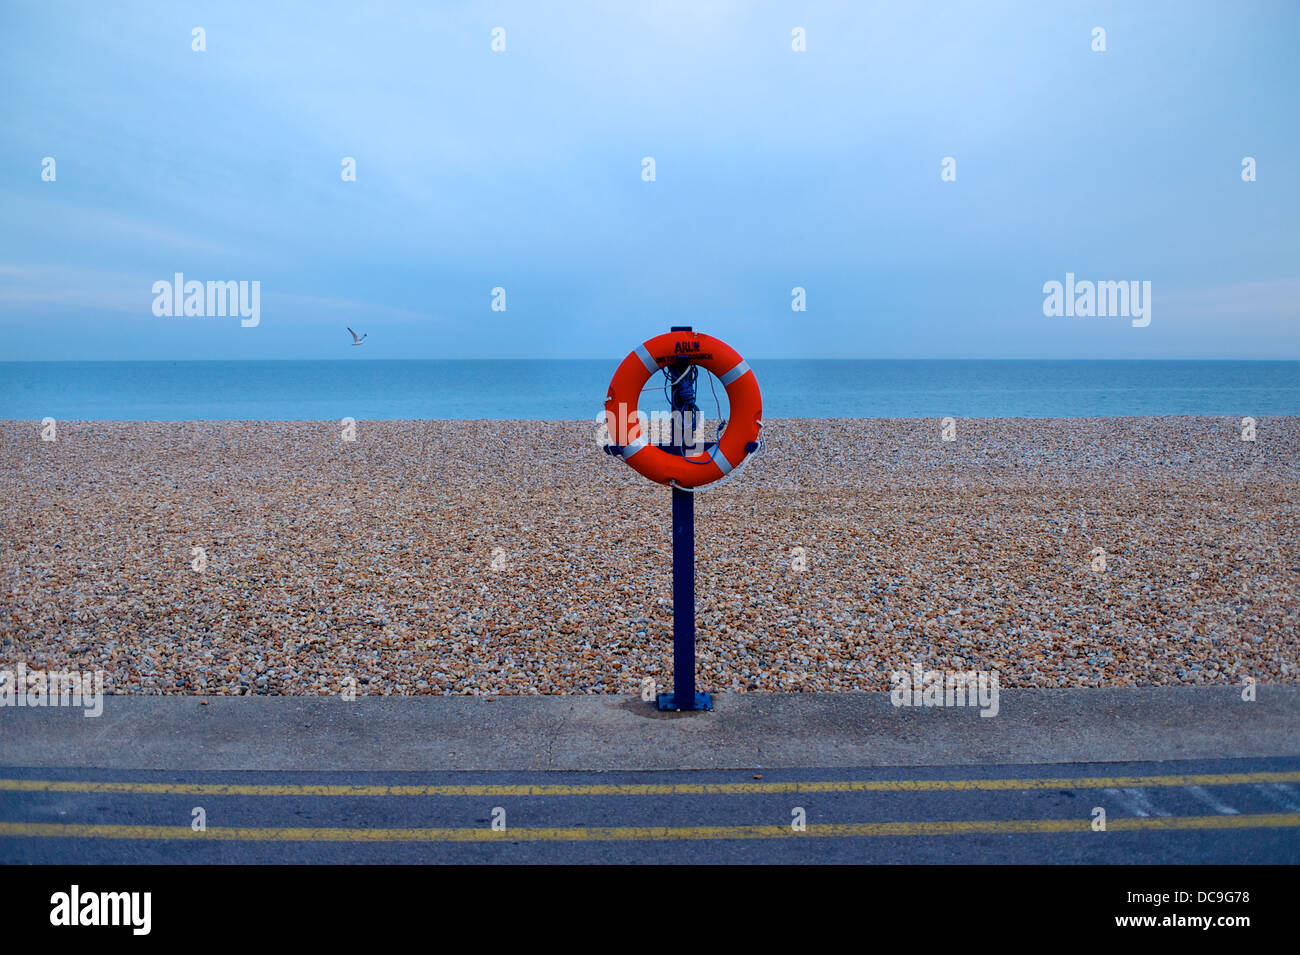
pixel 683 599
pixel 684 696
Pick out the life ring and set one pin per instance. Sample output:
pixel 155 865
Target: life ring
pixel 738 439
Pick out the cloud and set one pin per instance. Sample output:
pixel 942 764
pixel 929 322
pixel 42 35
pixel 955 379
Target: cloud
pixel 1269 299
pixel 344 308
pixel 25 286
pixel 104 228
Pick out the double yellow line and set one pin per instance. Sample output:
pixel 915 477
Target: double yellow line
pixel 647 833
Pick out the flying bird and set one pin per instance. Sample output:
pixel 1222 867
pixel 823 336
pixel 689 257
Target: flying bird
pixel 357 341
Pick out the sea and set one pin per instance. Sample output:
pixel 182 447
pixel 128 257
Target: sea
pixel 575 389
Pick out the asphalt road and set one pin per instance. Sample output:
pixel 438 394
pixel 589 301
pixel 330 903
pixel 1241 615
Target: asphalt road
pixel 1188 811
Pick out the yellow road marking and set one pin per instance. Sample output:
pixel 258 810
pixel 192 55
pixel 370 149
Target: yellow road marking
pixel 647 833
pixel 648 789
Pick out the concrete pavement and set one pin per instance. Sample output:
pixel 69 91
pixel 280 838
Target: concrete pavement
pixel 431 733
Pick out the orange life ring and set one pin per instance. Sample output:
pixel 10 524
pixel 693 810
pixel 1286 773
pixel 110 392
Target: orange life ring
pixel 738 439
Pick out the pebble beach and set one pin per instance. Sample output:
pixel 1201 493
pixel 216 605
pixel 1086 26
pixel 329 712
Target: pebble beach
pixel 514 557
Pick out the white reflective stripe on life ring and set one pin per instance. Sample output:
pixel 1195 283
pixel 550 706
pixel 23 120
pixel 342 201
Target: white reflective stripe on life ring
pixel 720 460
pixel 634 447
pixel 644 354
pixel 735 373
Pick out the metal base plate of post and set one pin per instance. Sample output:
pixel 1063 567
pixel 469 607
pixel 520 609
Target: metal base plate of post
pixel 667 701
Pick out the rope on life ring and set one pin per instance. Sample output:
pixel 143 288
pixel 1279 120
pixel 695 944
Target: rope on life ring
pixel 734 471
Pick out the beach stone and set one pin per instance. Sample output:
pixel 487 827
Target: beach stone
pixel 463 557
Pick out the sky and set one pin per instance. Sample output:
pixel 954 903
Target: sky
pixel 774 169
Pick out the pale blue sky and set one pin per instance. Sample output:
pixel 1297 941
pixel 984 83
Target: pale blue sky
pixel 775 169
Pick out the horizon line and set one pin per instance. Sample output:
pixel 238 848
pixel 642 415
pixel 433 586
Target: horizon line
pixel 111 361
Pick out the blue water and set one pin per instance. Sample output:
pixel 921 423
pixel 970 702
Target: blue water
pixel 572 389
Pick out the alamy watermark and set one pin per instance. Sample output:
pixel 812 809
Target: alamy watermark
pixel 25 687
pixel 657 427
pixel 193 299
pixel 1098 299
pixel 939 688
pixel 129 909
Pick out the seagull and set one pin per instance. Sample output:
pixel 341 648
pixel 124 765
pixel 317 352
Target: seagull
pixel 357 341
